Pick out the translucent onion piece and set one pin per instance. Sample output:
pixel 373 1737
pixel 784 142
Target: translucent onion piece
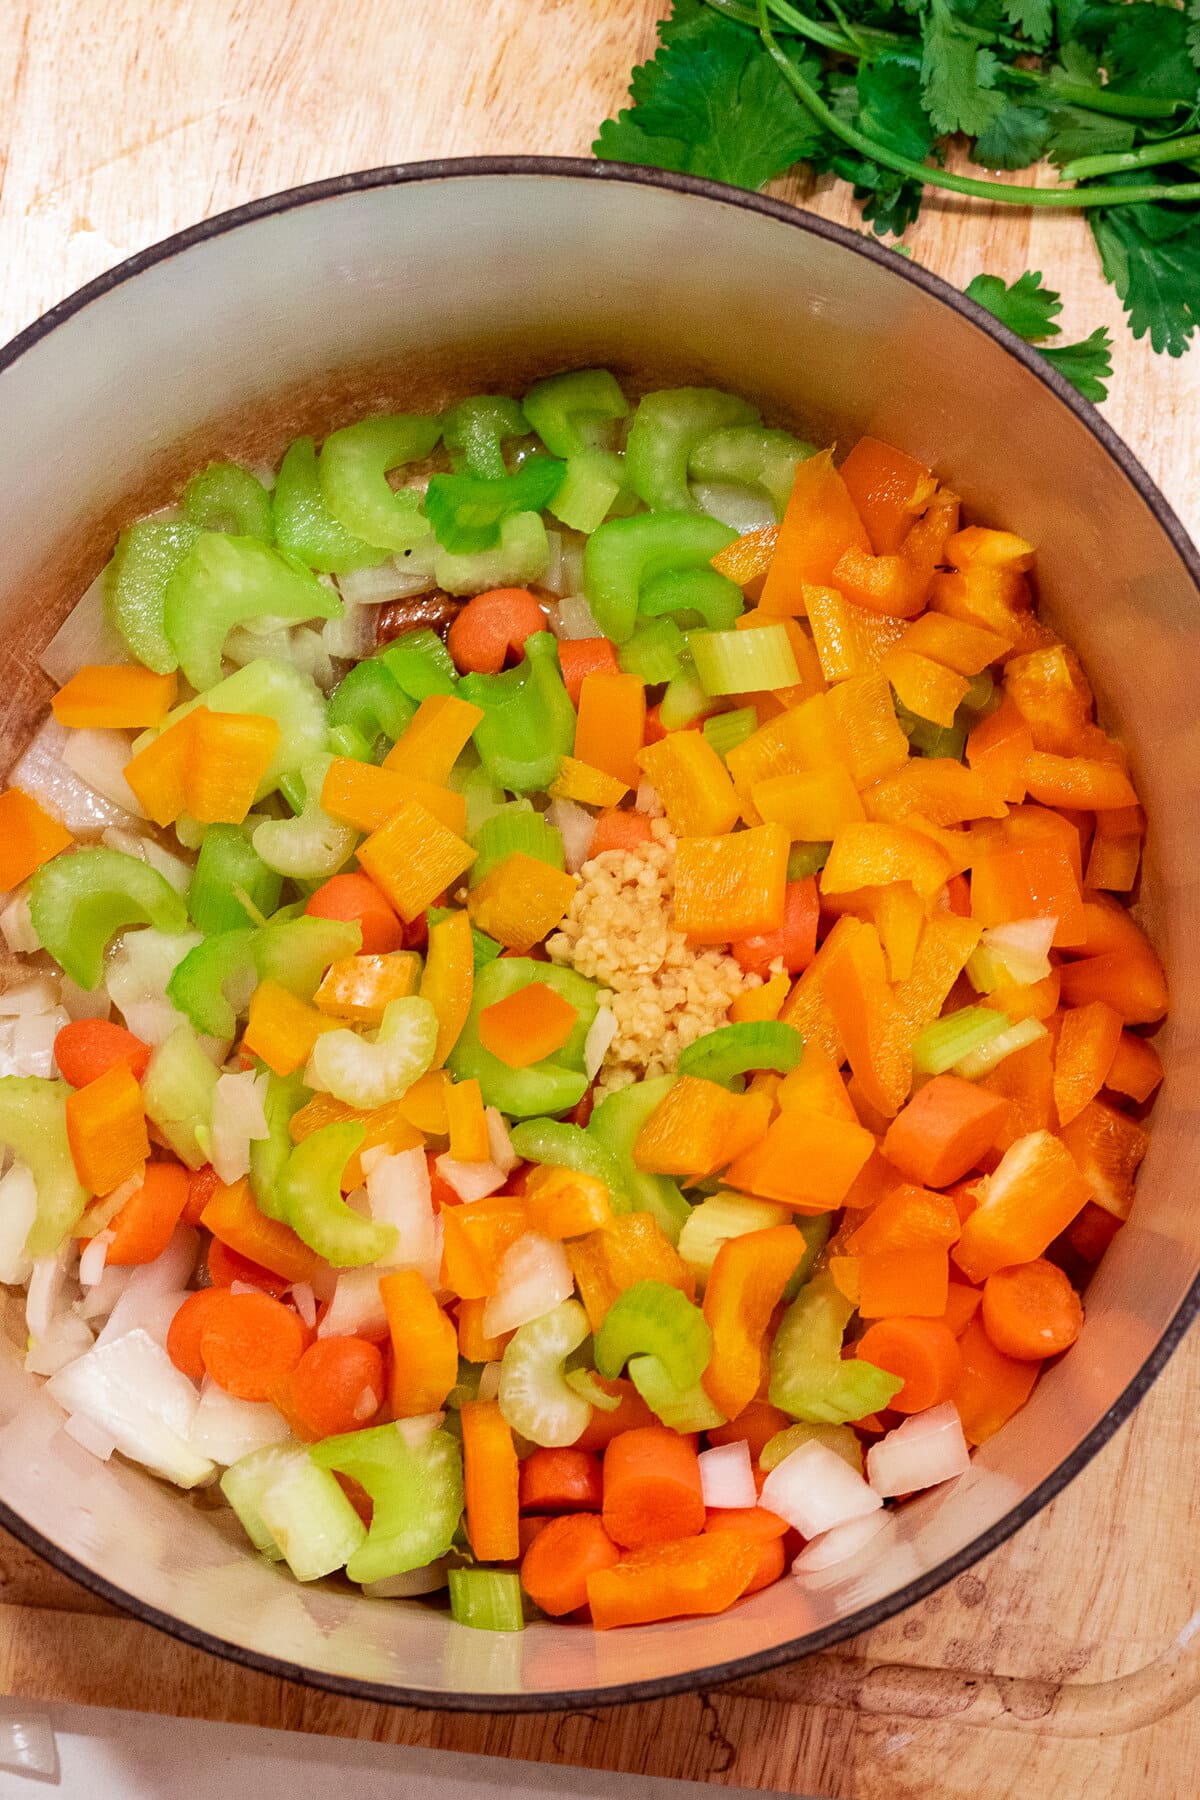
pixel 841 1542
pixel 43 772
pixel 926 1450
pixel 814 1490
pixel 85 636
pixel 534 1277
pixel 171 867
pixel 133 1390
pixel 27 1042
pixel 99 758
pixel 601 1032
pixel 355 1308
pixel 500 1147
pixel 471 1180
pixel 726 1475
pixel 16 926
pixel 226 1429
pixel 18 1209
pixel 578 828
pixel 399 1194
pixel 575 618
pixel 91 1262
pixel 428 1580
pixel 35 996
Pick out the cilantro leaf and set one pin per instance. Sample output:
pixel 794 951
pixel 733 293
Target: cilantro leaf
pixel 1086 365
pixel 955 75
pixel 1143 47
pixel 889 106
pixel 1026 307
pixel 1034 17
pixel 1156 272
pixel 1193 36
pixel 1015 138
pixel 1074 132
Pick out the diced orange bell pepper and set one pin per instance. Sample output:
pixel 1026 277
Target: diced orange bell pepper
pixel 691 1130
pixel 235 1221
pixel 993 549
pixel 424 1105
pixel 424 1345
pixel 1027 881
pixel 926 687
pixel 925 545
pixel 803 738
pixel 1049 689
pixel 434 739
pixel 413 858
pixel 611 725
pixel 891 585
pixel 821 522
pixel 1114 861
pixel 158 773
pixel 562 1203
pixel 692 783
pixel 748 558
pixel 849 640
pixel 858 995
pixel 898 915
pixel 106 1129
pixel 889 489
pixel 907 1218
pixel 806 1160
pixel 761 1002
pixel 807 1007
pixel 912 1283
pixel 1026 1081
pixel 467 1122
pixel 448 979
pixel 382 1126
pixel 997 600
pixel 1136 1069
pixel 473 1245
pixel 813 806
pixel 874 855
pixel 991 1387
pixel 1088 1037
pixel 1077 782
pixel 490 1482
pixel 227 756
pixel 998 749
pixel 520 900
pixel 281 1030
pixel 29 837
pixel 114 697
pixel 528 1026
pixel 367 797
pixel 733 886
pixel 361 987
pixel 690 1576
pixel 863 707
pixel 945 944
pixel 633 1248
pixel 1024 1204
pixel 1107 1147
pixel 940 790
pixel 816 1085
pixel 473 1343
pixel 967 649
pixel 745 1285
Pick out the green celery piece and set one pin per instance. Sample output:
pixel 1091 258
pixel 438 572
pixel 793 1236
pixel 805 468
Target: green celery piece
pixel 586 1384
pixel 314 845
pixel 572 413
pixel 928 739
pixel 515 827
pixel 366 1074
pixel 486 1599
pixel 980 1062
pixel 590 489
pixel 561 1146
pixel 624 555
pixel 353 470
pixel 723 1216
pixel 725 731
pixel 33 1125
pixel 286 1094
pixel 656 652
pixel 753 456
pixel 667 426
pixel 551 1086
pixel 945 1042
pixel 309 1196
pixel 146 557
pixel 278 691
pixel 178 1089
pixel 685 701
pixel 744 662
pixel 417 1492
pixel 232 886
pixel 297 952
pixel 246 1481
pixel 806 859
pixel 304 525
pixel 227 497
pixel 841 1439
pixel 225 581
pixel 654 1319
pixel 420 664
pixel 528 722
pixel 683 1408
pixel 809 1378
pixel 368 704
pixel 535 1397
pixel 474 432
pixel 814 1229
pixel 467 511
pixel 519 556
pixel 699 596
pixel 78 903
pixel 732 1050
pixel 615 1125
pixel 305 1513
pixel 197 987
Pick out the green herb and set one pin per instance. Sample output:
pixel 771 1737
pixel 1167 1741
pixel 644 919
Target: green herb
pixel 1030 310
pixel 873 90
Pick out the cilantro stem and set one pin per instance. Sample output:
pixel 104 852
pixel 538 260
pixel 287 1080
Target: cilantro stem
pixel 1008 194
pixel 1178 149
pixel 1095 99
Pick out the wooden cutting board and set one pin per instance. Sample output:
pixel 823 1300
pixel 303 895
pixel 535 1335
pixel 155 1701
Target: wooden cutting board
pixel 1064 1663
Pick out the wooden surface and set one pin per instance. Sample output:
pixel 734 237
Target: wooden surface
pixel 123 122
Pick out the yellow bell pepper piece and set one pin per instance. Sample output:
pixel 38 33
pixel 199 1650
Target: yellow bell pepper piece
pixel 927 688
pixel 282 1030
pixel 633 1248
pixel 733 886
pixel 384 1127
pixel 691 781
pixel 448 981
pixel 367 797
pixel 611 724
pixel 586 785
pixel 849 639
pixel 360 987
pixel 414 858
pixel 117 697
pixel 434 739
pixel 761 1002
pixel 942 791
pixel 467 1122
pixel 967 649
pixel 899 915
pixel 945 944
pixel 157 774
pixel 697 1127
pixel 520 900
pixel 870 855
pixel 563 1203
pixel 812 807
pixel 227 756
pixel 424 1105
pixel 863 707
pixel 805 737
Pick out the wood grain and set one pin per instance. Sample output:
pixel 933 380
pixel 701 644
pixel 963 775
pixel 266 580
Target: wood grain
pixel 124 122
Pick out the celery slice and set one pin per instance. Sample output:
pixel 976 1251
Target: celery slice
pixel 721 1217
pixel 353 470
pixel 732 1050
pixel 841 1439
pixel 623 555
pixel 310 1519
pixel 417 1490
pixel 227 497
pixel 652 1318
pixel 682 1408
pixel 224 581
pixel 232 886
pixel 516 827
pixel 667 427
pixel 725 731
pixel 33 1125
pixel 590 489
pixel 312 846
pixel 534 1396
pixel 369 1075
pixel 278 691
pixel 178 1089
pixel 563 1146
pixel 520 556
pixel 146 557
pixel 486 1599
pixel 571 413
pixel 806 859
pixel 698 596
pixel 309 1196
pixel 809 1377
pixel 468 511
pixel 744 662
pixel 246 1481
pixel 286 1094
pixel 78 904
pixel 615 1125
pixel 304 525
pixel 474 432
pixel 948 1040
pixel 420 664
pixel 685 701
pixel 751 456
pixel 655 652
pixel 1017 1037
pixel 584 1383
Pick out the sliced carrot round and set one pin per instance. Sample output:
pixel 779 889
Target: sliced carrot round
pixel 491 628
pixel 338 1385
pixel 555 1568
pixel 249 1343
pixel 87 1048
pixel 1031 1311
pixel 652 1488
pixel 355 899
pixel 187 1328
pixel 923 1352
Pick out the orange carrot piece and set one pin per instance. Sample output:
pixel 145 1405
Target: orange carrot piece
pixel 913 1282
pixel 120 697
pixel 202 1185
pixel 29 837
pixel 751 1521
pixel 923 1352
pixel 652 1489
pixel 1136 1068
pixel 560 1559
pixel 580 657
pixel 490 1480
pixel 888 488
pixel 561 1481
pixel 1088 1037
pixel 143 1227
pixel 225 1266
pixel 1107 1148
pixel 610 728
pixel 700 1575
pixel 944 1130
pixel 962 1303
pixel 249 1343
pixel 424 1345
pixel 755 1425
pixel 187 1328
pixel 991 1387
pixel 88 1048
pixel 1031 1312
pixel 355 899
pixel 618 829
pixel 795 942
pixel 493 627
pixel 631 1414
pixel 338 1385
pixel 527 1027
pixel 473 1343
pixel 772 1560
pixel 907 1218
pixel 106 1129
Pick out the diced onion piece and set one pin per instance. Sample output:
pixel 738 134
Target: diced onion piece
pixel 172 868
pixel 131 1389
pixel 399 1194
pixel 155 1291
pixel 601 1032
pixel 575 618
pixel 18 1209
pixel 226 1429
pixel 471 1181
pixel 1022 948
pixel 647 801
pixel 839 1543
pixel 91 1262
pixel 814 1490
pixel 402 576
pixel 417 1431
pixel 726 1475
pixel 35 996
pixel 16 926
pixel 238 1120
pixel 99 758
pixel 352 636
pixel 500 1148
pixel 927 1449
pixel 86 635
pixel 80 1004
pixel 137 975
pixel 98 1301
pixel 46 1298
pixel 489 1380
pixel 67 1339
pixel 305 1302
pixel 578 828
pixel 534 1277
pixel 408 1586
pixel 27 1042
pixel 93 1438
pixel 356 1308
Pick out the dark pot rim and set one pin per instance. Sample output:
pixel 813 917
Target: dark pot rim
pixel 866 1618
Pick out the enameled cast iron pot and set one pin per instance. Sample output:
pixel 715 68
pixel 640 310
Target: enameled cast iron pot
pixel 405 286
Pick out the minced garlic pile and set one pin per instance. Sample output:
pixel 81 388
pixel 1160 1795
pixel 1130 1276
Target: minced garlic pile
pixel 663 993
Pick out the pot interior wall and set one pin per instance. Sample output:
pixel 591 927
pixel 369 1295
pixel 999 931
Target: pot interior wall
pixel 402 295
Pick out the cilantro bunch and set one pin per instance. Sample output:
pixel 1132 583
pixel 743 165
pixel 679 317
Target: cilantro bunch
pixel 873 91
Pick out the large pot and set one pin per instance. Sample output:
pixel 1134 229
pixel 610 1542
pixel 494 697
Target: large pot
pixel 412 284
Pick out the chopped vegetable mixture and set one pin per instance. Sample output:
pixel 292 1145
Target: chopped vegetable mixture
pixel 572 1028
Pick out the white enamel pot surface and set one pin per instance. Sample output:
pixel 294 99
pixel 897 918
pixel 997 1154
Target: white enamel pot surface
pixel 409 285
